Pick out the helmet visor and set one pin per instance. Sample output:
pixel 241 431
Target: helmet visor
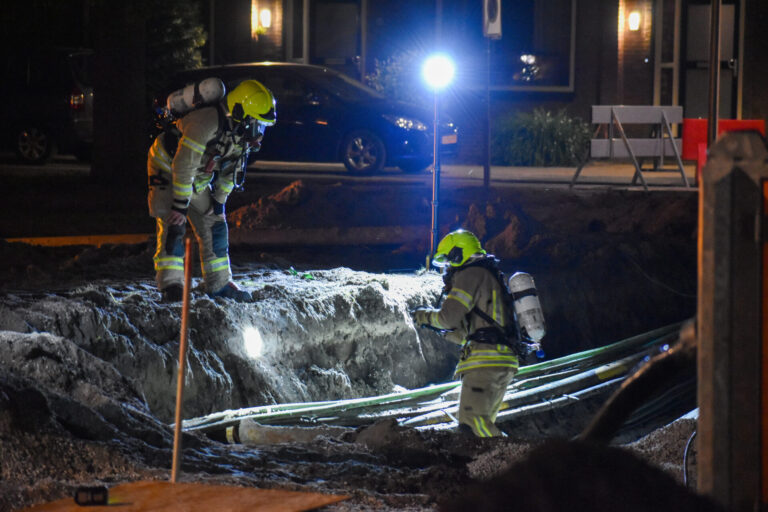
pixel 270 117
pixel 440 261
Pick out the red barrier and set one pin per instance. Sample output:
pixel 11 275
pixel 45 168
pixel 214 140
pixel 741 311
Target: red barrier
pixel 695 132
pixel 695 136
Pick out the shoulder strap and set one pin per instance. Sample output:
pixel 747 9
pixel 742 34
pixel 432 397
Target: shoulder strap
pixel 222 120
pixel 491 264
pixel 485 316
pixel 217 144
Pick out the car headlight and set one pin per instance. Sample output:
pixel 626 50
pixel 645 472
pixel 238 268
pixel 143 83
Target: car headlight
pixel 407 123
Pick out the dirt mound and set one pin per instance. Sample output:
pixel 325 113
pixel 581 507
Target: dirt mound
pixel 89 353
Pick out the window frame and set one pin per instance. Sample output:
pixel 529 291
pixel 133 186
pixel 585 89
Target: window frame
pixel 548 88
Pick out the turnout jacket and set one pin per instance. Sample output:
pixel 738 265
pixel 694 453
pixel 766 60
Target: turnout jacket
pixel 474 287
pixel 205 154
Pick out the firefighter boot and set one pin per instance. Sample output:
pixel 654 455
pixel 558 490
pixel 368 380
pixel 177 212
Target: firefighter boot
pixel 231 291
pixel 172 293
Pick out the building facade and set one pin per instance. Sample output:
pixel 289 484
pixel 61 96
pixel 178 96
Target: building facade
pixel 552 54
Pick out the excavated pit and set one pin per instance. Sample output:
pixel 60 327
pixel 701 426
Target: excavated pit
pixel 89 353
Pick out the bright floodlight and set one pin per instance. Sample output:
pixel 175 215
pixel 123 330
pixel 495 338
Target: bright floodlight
pixel 438 71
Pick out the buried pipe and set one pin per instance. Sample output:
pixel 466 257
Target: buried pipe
pixel 420 401
pixel 548 378
pixel 679 361
pixel 546 392
pixel 543 372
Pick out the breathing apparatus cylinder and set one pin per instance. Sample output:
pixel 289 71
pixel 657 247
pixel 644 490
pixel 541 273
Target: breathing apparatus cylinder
pixel 530 317
pixel 207 91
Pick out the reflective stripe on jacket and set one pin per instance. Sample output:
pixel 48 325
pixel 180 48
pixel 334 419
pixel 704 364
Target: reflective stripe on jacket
pixel 483 355
pixel 474 287
pixel 159 160
pixel 471 287
pixel 199 131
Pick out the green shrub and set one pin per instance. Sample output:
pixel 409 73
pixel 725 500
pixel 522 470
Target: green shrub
pixel 540 139
pixel 175 39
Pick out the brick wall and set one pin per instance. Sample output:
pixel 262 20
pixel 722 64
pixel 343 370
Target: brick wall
pixel 232 32
pixel 635 59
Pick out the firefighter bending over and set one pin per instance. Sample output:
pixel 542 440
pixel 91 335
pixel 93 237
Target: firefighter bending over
pixel 471 314
pixel 192 170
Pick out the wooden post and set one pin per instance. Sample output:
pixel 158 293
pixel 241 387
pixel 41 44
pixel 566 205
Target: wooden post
pixel 731 363
pixel 182 359
pixel 764 359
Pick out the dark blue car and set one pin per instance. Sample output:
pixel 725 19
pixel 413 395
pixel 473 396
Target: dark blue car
pixel 325 116
pixel 47 103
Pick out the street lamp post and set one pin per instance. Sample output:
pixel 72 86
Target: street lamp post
pixel 438 72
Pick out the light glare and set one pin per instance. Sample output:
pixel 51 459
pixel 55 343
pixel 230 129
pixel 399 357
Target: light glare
pixel 252 342
pixel 634 21
pixel 438 71
pixel 266 18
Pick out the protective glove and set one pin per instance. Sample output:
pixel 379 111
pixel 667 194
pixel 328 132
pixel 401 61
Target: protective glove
pixel 176 217
pixel 420 316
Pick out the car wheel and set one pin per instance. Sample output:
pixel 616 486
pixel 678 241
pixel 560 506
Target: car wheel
pixel 34 145
pixel 363 152
pixel 415 165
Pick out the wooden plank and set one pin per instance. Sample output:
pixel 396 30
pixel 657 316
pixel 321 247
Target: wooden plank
pixel 601 148
pixel 149 496
pixel 636 114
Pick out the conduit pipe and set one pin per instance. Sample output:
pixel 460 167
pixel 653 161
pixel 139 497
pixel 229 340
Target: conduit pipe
pixel 353 411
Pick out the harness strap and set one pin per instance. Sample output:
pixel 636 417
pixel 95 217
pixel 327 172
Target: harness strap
pixel 528 292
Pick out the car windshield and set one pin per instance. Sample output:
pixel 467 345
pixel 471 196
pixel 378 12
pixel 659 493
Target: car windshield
pixel 341 85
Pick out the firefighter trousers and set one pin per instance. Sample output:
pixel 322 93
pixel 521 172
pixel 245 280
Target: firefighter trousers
pixel 482 392
pixel 212 237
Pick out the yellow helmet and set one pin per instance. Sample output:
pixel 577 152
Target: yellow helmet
pixel 251 98
pixel 456 248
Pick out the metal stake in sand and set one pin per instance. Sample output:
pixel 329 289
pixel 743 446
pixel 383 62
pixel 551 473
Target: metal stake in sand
pixel 182 359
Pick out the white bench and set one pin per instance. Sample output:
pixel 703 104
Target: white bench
pixel 611 120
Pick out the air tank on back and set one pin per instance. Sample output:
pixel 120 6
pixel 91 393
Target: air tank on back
pixel 530 317
pixel 204 92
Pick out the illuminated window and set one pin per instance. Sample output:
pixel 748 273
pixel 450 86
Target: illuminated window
pixel 536 51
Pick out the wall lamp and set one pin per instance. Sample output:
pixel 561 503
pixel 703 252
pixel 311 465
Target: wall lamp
pixel 261 19
pixel 265 17
pixel 633 21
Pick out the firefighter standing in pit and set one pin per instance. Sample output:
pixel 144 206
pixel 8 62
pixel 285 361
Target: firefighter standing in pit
pixel 193 167
pixel 476 315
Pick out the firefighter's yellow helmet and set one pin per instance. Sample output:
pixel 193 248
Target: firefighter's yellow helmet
pixel 456 248
pixel 251 98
